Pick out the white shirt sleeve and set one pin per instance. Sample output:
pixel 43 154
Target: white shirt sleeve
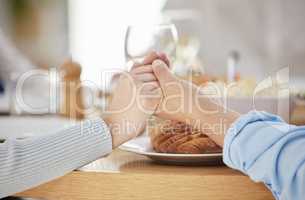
pixel 29 162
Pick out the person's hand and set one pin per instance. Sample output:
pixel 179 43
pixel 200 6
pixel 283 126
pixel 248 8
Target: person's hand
pixel 185 102
pixel 179 97
pixel 135 98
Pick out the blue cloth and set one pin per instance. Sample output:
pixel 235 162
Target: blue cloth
pixel 268 150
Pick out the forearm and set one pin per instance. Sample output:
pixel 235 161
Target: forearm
pixel 269 151
pixel 212 118
pixel 28 162
pixel 218 129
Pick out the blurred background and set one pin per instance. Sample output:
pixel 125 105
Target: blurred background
pixel 268 34
pixel 233 39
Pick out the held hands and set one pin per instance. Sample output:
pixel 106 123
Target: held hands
pixel 150 88
pixel 136 96
pixel 177 95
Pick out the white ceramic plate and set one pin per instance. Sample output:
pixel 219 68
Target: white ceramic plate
pixel 141 145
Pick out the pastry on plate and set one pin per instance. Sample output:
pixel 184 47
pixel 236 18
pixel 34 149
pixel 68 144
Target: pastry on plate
pixel 170 136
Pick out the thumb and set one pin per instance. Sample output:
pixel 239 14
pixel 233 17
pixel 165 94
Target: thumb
pixel 162 72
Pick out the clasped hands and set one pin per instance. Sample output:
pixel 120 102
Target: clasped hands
pixel 150 88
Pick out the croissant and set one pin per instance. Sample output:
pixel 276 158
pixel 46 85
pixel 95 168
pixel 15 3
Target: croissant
pixel 178 137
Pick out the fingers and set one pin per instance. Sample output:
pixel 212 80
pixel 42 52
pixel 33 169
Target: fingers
pixel 135 65
pixel 165 59
pixel 150 97
pixel 162 72
pixel 147 60
pixel 145 77
pixel 151 86
pixel 142 69
pixel 150 58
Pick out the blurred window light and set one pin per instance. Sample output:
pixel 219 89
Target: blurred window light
pixel 97 31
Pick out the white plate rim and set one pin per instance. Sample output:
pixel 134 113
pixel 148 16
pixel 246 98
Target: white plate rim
pixel 149 153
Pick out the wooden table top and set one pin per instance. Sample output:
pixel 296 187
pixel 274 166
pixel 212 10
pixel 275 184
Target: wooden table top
pixel 124 175
pixel 121 161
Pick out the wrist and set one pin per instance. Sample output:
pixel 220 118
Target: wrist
pixel 114 125
pixel 123 128
pixel 215 121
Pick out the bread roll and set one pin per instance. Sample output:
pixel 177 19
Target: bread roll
pixel 177 137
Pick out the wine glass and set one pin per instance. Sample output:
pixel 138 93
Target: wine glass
pixel 140 40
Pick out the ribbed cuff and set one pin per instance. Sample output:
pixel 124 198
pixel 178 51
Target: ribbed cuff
pixel 29 162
